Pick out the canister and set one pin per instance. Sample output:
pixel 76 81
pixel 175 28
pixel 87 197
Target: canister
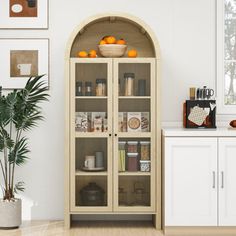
pixel 132 146
pixel 145 165
pixel 78 91
pixel 88 88
pixel 129 84
pixel 121 160
pixel 144 150
pixel 132 161
pixel 100 87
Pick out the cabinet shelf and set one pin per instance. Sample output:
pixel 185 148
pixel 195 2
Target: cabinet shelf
pixel 91 135
pixel 134 134
pixel 91 97
pixel 136 173
pixel 134 97
pixel 87 173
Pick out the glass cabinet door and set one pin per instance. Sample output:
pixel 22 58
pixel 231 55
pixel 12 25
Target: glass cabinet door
pixel 134 127
pixel 91 124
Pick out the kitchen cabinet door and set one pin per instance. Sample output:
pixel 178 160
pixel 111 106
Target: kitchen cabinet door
pixel 227 181
pixel 190 181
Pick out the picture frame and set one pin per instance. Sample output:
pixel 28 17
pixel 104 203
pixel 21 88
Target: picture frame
pixel 23 58
pixel 24 14
pixel 208 106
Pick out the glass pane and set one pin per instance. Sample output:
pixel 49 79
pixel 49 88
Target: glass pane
pixel 134 191
pixel 230 29
pixel 230 83
pixel 91 191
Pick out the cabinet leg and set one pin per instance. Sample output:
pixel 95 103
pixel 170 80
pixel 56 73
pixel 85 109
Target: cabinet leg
pixel 67 221
pixel 156 222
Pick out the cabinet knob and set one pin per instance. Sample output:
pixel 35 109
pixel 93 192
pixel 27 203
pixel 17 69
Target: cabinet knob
pixel 115 135
pixel 109 135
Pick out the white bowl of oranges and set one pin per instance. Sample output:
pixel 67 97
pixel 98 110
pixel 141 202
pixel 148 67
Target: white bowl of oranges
pixel 110 47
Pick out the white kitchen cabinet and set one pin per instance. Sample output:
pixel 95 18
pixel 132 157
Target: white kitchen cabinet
pixel 200 178
pixel 227 181
pixel 190 181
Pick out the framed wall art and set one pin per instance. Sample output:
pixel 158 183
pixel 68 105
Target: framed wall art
pixel 24 14
pixel 22 58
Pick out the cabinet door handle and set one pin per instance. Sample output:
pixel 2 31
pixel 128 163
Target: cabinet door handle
pixel 222 179
pixel 214 179
pixel 109 135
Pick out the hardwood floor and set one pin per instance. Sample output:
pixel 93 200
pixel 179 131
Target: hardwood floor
pixel 56 228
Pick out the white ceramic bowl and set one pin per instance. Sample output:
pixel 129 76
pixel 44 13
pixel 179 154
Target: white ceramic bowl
pixel 112 50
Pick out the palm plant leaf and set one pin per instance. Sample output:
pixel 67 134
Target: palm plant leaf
pixel 18 154
pixel 28 112
pixel 5 140
pixel 7 108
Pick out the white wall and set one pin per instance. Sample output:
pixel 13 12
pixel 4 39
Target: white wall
pixel 186 32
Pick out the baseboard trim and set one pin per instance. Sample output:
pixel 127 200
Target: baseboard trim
pixel 200 230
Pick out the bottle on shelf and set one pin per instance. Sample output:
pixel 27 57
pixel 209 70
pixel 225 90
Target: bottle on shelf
pixel 100 87
pixel 88 88
pixel 79 88
pixel 129 84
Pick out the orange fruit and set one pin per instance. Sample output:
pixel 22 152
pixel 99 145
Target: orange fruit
pixel 132 53
pixel 110 40
pixel 92 53
pixel 82 54
pixel 121 41
pixel 102 42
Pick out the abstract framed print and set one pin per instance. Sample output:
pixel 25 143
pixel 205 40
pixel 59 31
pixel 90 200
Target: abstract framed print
pixel 24 14
pixel 22 58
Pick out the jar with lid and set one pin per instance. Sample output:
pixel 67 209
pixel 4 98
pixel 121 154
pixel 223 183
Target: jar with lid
pixel 145 150
pixel 122 197
pixel 88 88
pixel 100 87
pixel 139 194
pixel 121 160
pixel 132 146
pixel 132 161
pixel 78 91
pixel 129 84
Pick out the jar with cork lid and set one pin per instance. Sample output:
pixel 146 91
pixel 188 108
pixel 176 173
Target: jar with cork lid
pixel 129 84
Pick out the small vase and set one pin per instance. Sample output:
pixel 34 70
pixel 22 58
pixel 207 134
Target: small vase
pixel 10 214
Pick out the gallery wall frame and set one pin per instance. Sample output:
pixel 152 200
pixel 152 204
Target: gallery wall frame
pixel 22 58
pixel 24 14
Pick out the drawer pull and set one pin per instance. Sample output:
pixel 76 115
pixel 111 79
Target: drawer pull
pixel 222 179
pixel 214 179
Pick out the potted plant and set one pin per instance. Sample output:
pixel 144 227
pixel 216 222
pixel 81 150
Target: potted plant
pixel 19 113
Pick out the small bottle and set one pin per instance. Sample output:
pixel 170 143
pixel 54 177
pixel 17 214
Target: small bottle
pixel 78 91
pixel 88 88
pixel 129 84
pixel 141 87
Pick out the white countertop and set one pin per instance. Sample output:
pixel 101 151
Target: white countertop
pixel 183 132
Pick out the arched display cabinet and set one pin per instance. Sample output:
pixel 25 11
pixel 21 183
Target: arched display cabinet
pixel 124 189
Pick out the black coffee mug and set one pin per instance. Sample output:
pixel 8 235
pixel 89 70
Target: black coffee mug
pixel 32 3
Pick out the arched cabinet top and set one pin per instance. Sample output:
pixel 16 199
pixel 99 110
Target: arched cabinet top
pixel 137 34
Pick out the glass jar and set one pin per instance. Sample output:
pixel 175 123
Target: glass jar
pixel 122 197
pixel 142 87
pixel 129 84
pixel 132 146
pixel 88 88
pixel 139 194
pixel 132 161
pixel 100 87
pixel 78 91
pixel 145 150
pixel 121 160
